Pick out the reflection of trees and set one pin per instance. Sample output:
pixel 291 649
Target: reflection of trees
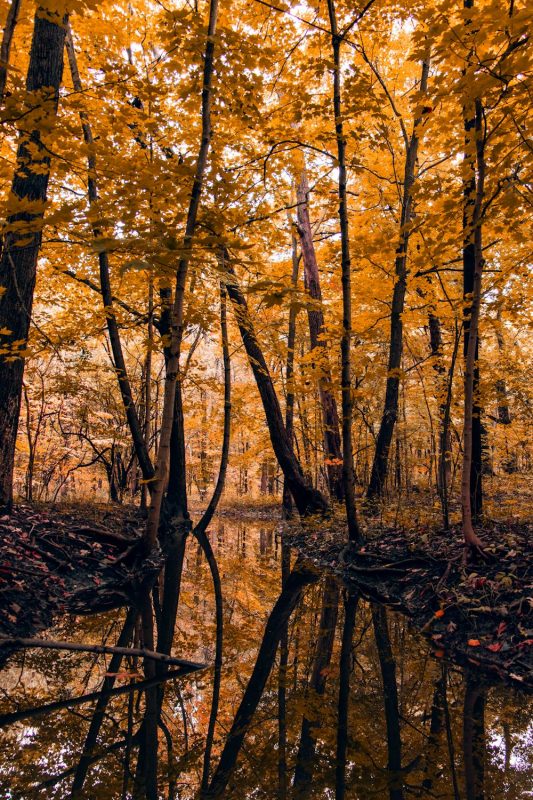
pixel 300 577
pixel 390 701
pixel 435 706
pixel 474 737
pixel 303 773
pixel 345 668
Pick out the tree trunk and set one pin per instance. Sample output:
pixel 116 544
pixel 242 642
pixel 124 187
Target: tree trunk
pixel 207 516
pixel 5 46
pixel 468 508
pixel 379 472
pixel 469 269
pixel 289 371
pixel 345 668
pixel 303 773
pixel 330 416
pixel 307 499
pixel 348 475
pixel 22 242
pixel 171 437
pixel 390 701
pixel 291 594
pixel 130 408
pixel 474 738
pixel 504 414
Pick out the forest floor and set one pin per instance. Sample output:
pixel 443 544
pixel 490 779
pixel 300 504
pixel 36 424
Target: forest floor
pixel 85 559
pixel 477 614
pixel 76 561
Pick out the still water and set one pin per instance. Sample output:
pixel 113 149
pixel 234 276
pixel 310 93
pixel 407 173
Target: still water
pixel 322 696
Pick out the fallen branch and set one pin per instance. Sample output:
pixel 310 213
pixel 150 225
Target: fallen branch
pixel 57 705
pixel 99 648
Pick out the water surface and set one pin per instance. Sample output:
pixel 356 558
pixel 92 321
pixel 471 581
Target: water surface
pixel 353 701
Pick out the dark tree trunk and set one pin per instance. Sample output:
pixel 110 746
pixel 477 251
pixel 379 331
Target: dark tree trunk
pixel 282 682
pixel 380 464
pixel 307 499
pixel 390 701
pixel 5 46
pixel 348 474
pixel 474 738
pixel 303 773
pixel 345 668
pixel 22 242
pixel 436 730
pixel 330 416
pixel 289 373
pixel 299 578
pixel 469 270
pixel 139 442
pixel 444 385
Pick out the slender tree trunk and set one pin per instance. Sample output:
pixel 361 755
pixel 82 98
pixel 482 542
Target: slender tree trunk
pixel 5 46
pixel 345 668
pixel 472 541
pixel 390 700
pixel 348 475
pixel 289 371
pixel 282 682
pixel 330 416
pixel 130 408
pixel 289 598
pixel 97 718
pixel 207 516
pixel 172 324
pixel 22 242
pixel 474 738
pixel 307 499
pixel 379 471
pixel 469 280
pixel 443 387
pixel 504 414
pixel 436 730
pixel 148 383
pixel 303 773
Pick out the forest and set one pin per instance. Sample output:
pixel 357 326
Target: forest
pixel 265 399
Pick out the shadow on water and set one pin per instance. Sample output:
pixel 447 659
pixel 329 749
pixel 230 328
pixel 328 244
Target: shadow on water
pixel 322 695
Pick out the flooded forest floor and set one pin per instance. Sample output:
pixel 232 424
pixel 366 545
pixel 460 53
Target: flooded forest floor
pixel 85 559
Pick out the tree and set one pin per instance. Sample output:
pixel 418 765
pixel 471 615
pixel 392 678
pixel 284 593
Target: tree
pixel 22 238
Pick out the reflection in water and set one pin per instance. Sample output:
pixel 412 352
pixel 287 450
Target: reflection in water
pixel 322 695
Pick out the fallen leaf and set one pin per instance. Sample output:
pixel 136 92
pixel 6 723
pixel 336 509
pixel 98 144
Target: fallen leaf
pixel 474 642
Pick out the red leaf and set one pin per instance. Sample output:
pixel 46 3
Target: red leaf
pixel 501 627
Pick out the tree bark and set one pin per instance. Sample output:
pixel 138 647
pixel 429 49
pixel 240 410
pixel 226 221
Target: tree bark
pixel 330 416
pixel 289 371
pixel 5 46
pixel 472 541
pixel 207 516
pixel 174 321
pixel 348 474
pixel 22 242
pixel 307 499
pixel 469 279
pixel 379 471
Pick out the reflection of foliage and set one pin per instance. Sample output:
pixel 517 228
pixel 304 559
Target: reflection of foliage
pixel 248 556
